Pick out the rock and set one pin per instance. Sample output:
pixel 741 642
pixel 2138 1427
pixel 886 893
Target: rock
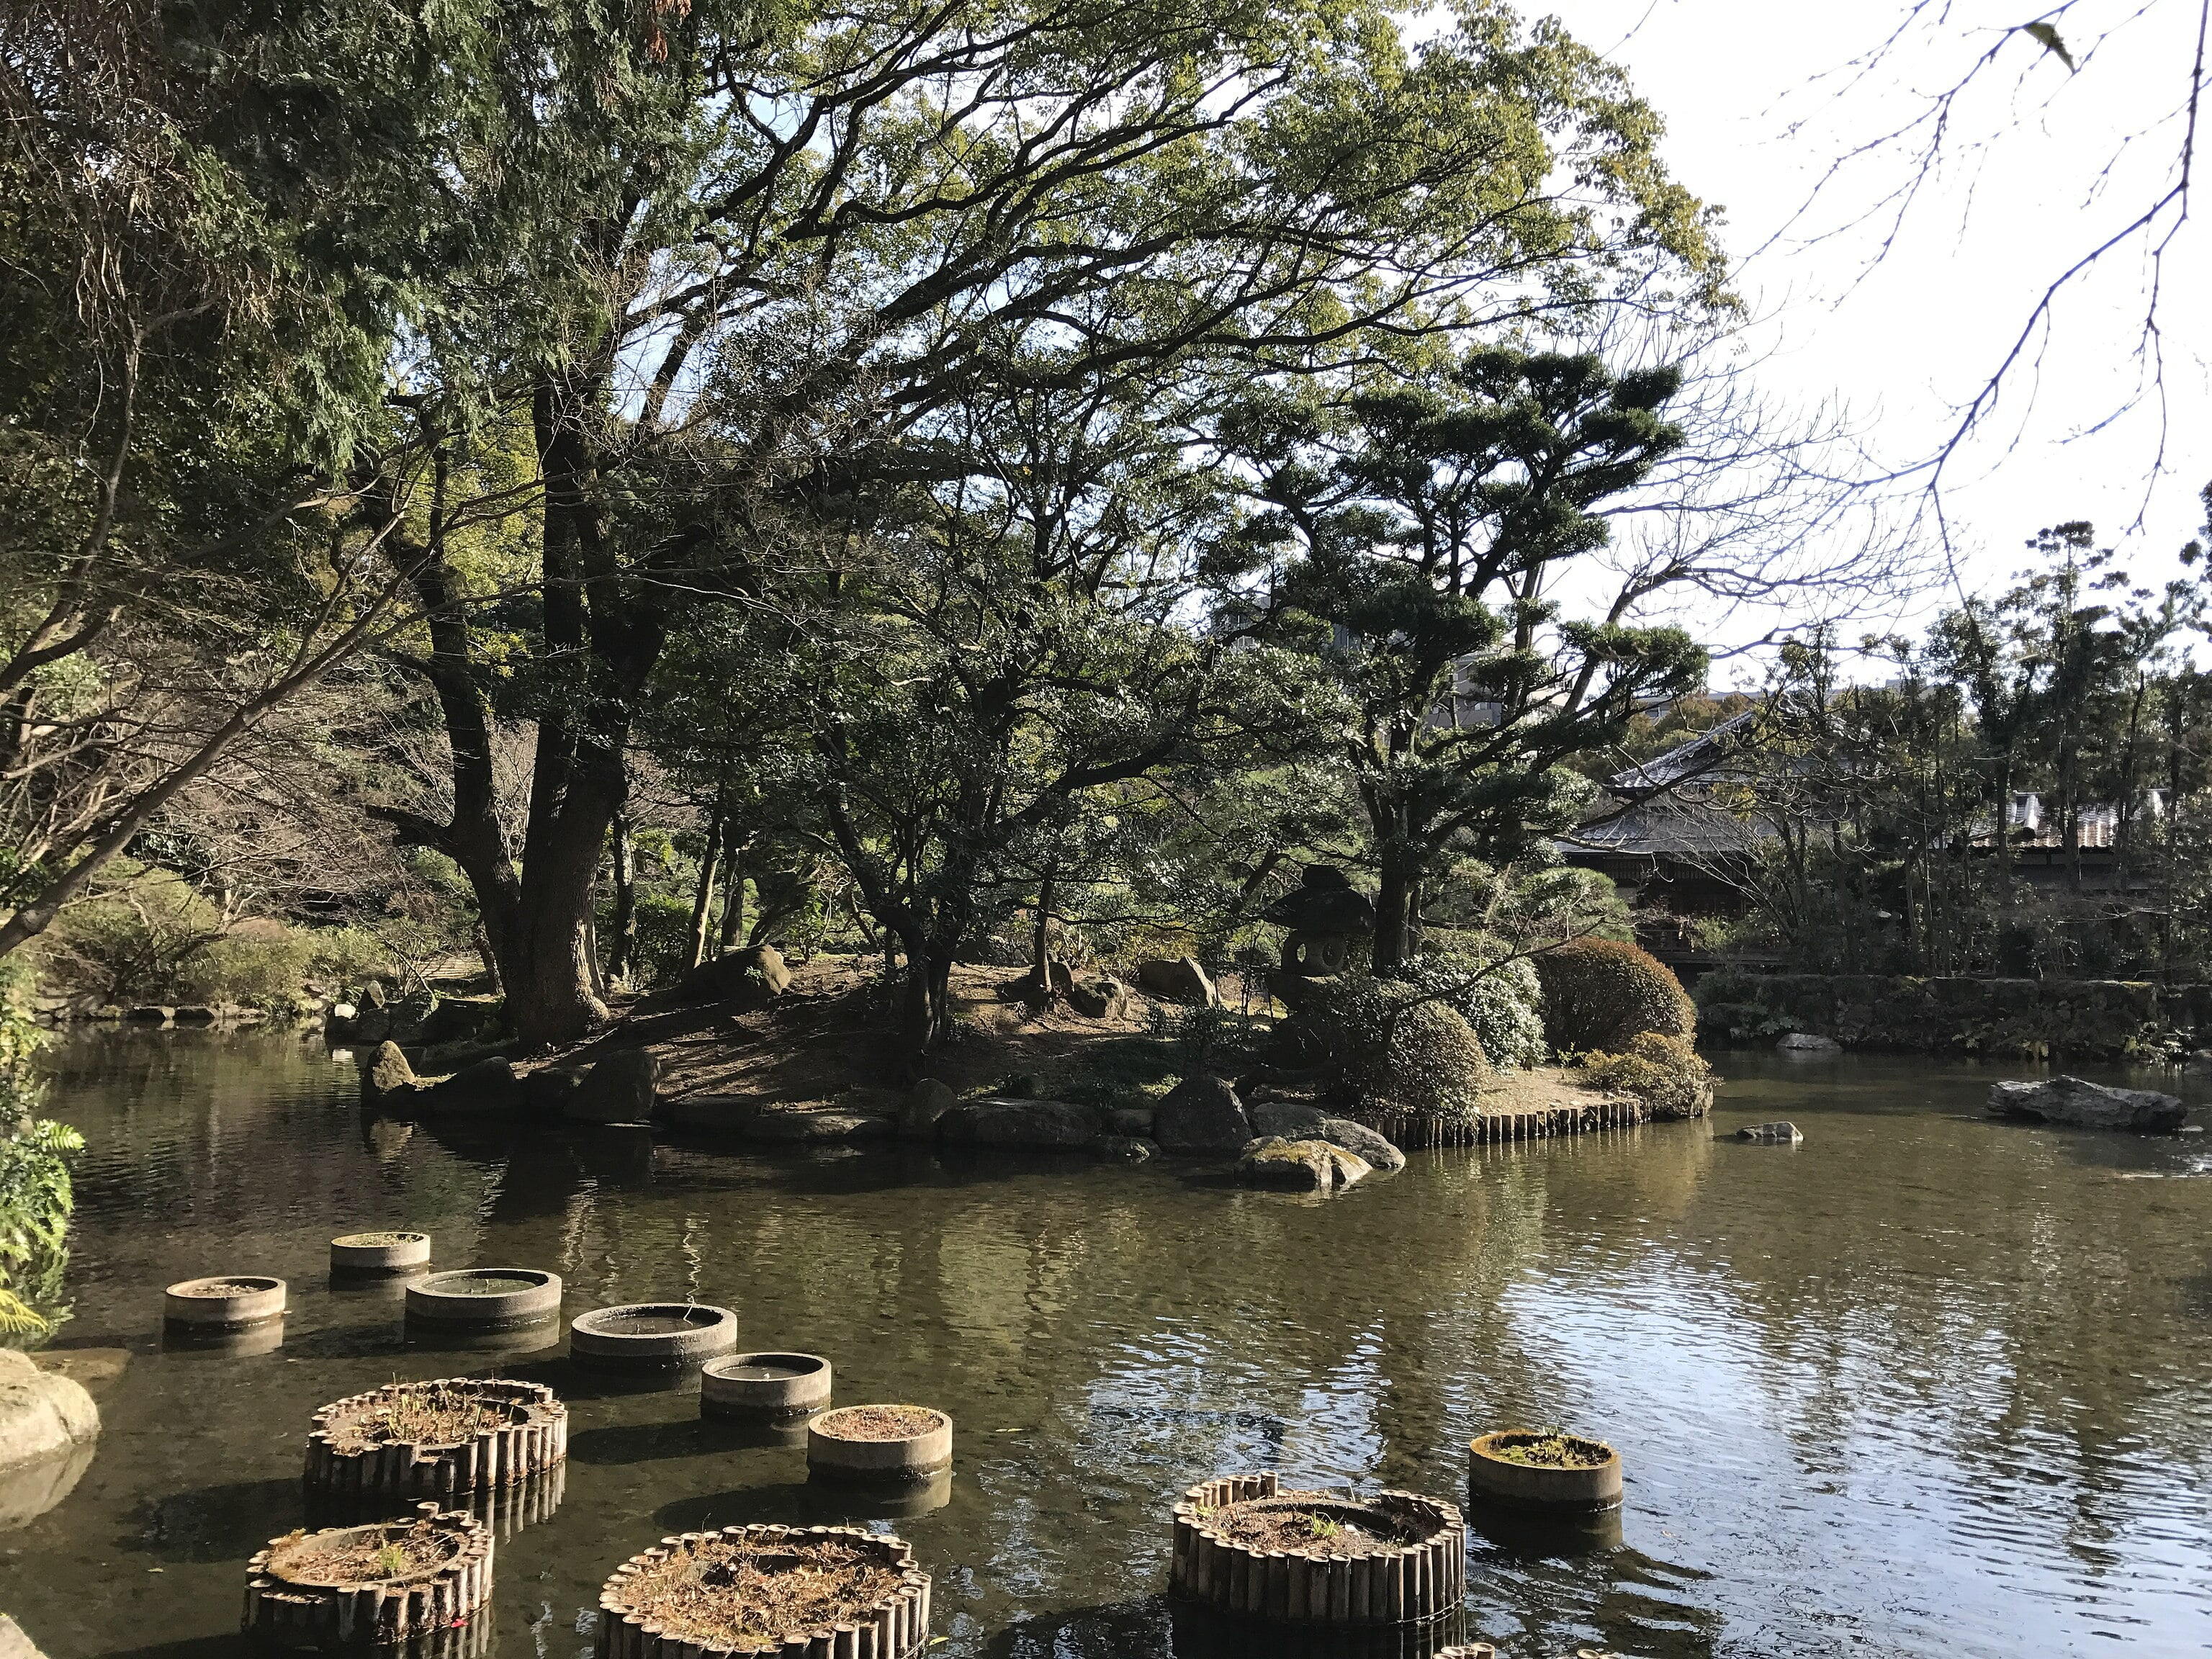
pixel 14 1644
pixel 1201 1114
pixel 1105 998
pixel 1179 980
pixel 620 1089
pixel 388 1072
pixel 195 1014
pixel 1127 1149
pixel 545 1091
pixel 995 1121
pixel 1133 1122
pixel 746 980
pixel 2199 1064
pixel 40 1413
pixel 783 1125
pixel 1807 1042
pixel 711 1114
pixel 1025 989
pixel 1295 1120
pixel 1308 1165
pixel 1772 1134
pixel 147 1015
pixel 488 1087
pixel 930 1101
pixel 2087 1105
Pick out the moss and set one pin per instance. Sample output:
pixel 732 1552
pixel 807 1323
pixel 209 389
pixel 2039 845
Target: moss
pixel 1601 995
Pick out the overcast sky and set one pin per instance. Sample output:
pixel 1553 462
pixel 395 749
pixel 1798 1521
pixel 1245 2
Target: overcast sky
pixel 1908 337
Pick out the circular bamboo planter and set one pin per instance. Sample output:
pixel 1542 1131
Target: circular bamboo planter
pixel 506 1510
pixel 289 1600
pixel 854 1443
pixel 652 1336
pixel 228 1302
pixel 1420 1579
pixel 364 1254
pixel 764 1387
pixel 485 1298
pixel 1576 1489
pixel 532 1438
pixel 893 1628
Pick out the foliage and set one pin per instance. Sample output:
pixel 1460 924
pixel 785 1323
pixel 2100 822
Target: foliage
pixel 1394 1051
pixel 1663 1072
pixel 35 1197
pixel 1599 993
pixel 1501 1000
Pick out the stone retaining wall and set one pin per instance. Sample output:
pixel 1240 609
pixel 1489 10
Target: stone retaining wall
pixel 2086 1018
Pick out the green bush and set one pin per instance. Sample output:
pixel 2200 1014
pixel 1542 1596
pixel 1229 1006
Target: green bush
pixel 1663 1072
pixel 1599 993
pixel 347 956
pixel 1502 1005
pixel 664 937
pixel 131 943
pixel 1393 1051
pixel 35 1197
pixel 261 965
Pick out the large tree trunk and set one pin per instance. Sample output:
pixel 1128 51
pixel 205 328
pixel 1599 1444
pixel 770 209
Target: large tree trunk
pixel 733 894
pixel 1394 906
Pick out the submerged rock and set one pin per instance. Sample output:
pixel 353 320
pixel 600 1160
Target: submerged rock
pixel 931 1100
pixel 1127 1149
pixel 1772 1134
pixel 1308 1165
pixel 1201 1114
pixel 488 1088
pixel 388 1072
pixel 2088 1105
pixel 1807 1042
pixel 1043 1124
pixel 1295 1120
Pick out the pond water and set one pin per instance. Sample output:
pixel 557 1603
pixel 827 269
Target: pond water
pixel 1926 1385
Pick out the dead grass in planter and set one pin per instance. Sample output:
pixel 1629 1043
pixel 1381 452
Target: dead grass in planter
pixel 1309 1524
pixel 724 1593
pixel 1552 1450
pixel 405 1413
pixel 877 1422
pixel 362 1555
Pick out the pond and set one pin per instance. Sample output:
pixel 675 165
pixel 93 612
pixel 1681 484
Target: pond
pixel 1926 1385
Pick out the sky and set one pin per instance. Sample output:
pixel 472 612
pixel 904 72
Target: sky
pixel 1904 321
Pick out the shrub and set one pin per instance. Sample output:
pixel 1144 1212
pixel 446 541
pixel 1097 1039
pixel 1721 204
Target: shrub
pixel 35 1198
pixel 1502 1006
pixel 349 957
pixel 1599 993
pixel 132 942
pixel 261 965
pixel 1393 1051
pixel 1664 1073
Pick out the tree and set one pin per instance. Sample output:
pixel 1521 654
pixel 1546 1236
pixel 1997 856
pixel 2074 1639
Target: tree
pixel 1413 542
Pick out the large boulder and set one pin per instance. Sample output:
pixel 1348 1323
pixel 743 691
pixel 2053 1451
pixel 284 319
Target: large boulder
pixel 1104 998
pixel 995 1121
pixel 41 1414
pixel 746 980
pixel 1291 1119
pixel 787 1126
pixel 1307 1165
pixel 1201 1114
pixel 930 1101
pixel 388 1072
pixel 1178 980
pixel 620 1089
pixel 486 1089
pixel 546 1091
pixel 2087 1105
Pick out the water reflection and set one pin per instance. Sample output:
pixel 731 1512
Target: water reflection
pixel 1928 1385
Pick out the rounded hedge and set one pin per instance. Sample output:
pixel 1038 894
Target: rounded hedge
pixel 1663 1072
pixel 1395 1052
pixel 1599 993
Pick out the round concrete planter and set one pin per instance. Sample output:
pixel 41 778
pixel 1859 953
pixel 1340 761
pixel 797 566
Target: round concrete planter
pixel 231 1302
pixel 289 1602
pixel 895 1627
pixel 835 1453
pixel 485 1298
pixel 363 1254
pixel 1420 1579
pixel 652 1336
pixel 533 1438
pixel 1583 1490
pixel 763 1388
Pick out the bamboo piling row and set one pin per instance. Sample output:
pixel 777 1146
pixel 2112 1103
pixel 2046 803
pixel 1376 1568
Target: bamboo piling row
pixel 897 1628
pixel 1415 1134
